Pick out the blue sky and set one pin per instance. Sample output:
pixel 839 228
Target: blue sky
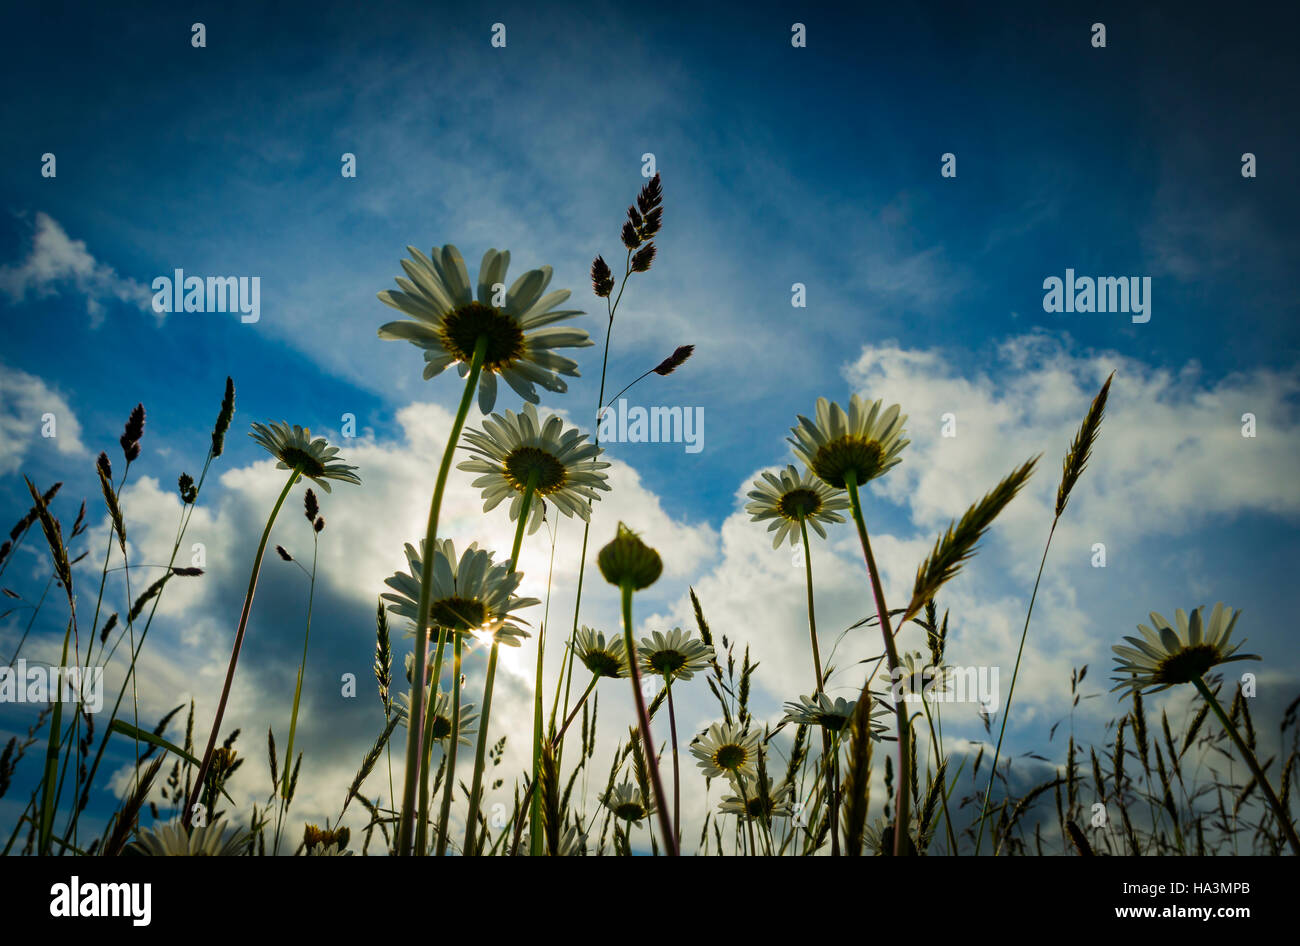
pixel 780 165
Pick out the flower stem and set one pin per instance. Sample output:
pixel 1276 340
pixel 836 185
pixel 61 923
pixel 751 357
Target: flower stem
pixel 480 753
pixel 415 723
pixel 197 790
pixel 812 615
pixel 1283 818
pixel 643 721
pixel 426 751
pixel 297 694
pixel 453 740
pixel 821 683
pixel 677 775
pixel 891 652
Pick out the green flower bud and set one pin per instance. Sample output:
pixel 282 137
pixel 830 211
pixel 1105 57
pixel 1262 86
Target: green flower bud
pixel 628 560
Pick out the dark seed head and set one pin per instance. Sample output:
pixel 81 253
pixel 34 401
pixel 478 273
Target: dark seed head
pixel 675 360
pixel 602 280
pixel 651 196
pixel 642 258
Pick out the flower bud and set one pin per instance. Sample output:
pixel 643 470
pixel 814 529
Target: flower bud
pixel 629 561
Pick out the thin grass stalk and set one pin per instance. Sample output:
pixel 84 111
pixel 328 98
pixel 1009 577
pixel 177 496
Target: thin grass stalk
pixel 586 528
pixel 891 653
pixel 415 722
pixel 1011 690
pixel 1284 819
pixel 643 721
pixel 206 762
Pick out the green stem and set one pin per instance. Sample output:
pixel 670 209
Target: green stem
pixel 611 307
pixel 1011 691
pixel 891 652
pixel 812 614
pixel 297 690
pixel 817 671
pixel 197 788
pixel 1265 786
pixel 677 775
pixel 415 723
pixel 480 753
pixel 426 753
pixel 453 740
pixel 643 721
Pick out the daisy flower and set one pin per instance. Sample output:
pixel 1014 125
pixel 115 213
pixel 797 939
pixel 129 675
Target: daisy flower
pixel 726 749
pixel 470 594
pixel 1165 656
pixel 791 498
pixel 173 840
pixel 779 798
pixel 603 658
pixel 865 441
pixel 627 802
pixel 835 715
pixel 323 842
pixel 442 716
pixel 295 448
pixel 513 450
pixel 449 316
pixel 573 843
pixel 674 655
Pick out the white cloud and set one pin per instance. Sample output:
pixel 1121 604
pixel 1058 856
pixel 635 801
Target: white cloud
pixel 24 401
pixel 56 261
pixel 1157 470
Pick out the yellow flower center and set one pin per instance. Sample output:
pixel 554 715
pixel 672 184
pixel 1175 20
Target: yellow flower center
pixel 524 462
pixel 462 327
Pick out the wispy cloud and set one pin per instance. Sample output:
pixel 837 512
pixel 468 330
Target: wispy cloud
pixel 31 412
pixel 57 263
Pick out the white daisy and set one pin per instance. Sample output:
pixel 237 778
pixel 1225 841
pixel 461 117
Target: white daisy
pixel 726 749
pixel 793 497
pixel 865 440
pixel 449 320
pixel 513 450
pixel 1164 657
pixel 471 594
